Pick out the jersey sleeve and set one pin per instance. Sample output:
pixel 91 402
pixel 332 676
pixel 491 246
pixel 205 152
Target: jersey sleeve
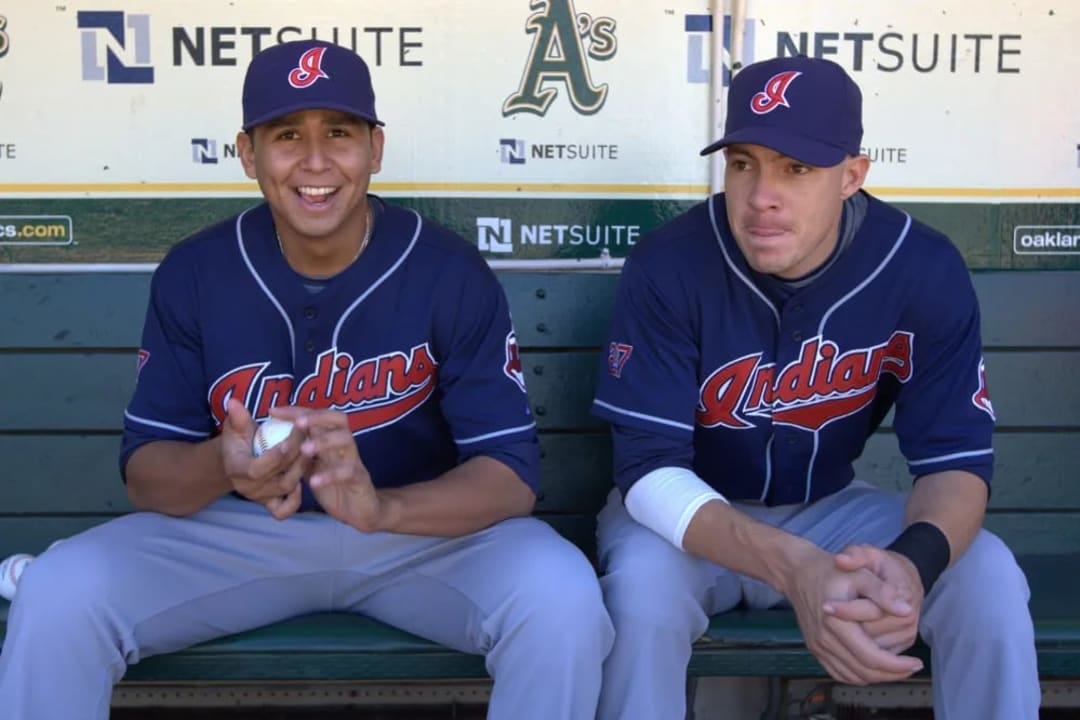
pixel 638 452
pixel 944 419
pixel 481 383
pixel 647 383
pixel 169 401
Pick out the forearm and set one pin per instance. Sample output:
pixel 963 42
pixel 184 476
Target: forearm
pixel 176 478
pixel 732 539
pixel 954 501
pixel 474 495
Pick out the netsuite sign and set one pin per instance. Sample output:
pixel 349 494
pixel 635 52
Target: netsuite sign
pixel 497 234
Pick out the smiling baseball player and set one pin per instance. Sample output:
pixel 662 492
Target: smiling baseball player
pixel 403 489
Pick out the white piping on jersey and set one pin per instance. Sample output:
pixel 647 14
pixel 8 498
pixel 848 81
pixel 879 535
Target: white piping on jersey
pixel 381 280
pixel 497 433
pixel 810 467
pixel 165 426
pixel 746 281
pixel 768 468
pixel 776 316
pixel 954 456
pixel 869 278
pixel 825 318
pixel 266 290
pixel 642 416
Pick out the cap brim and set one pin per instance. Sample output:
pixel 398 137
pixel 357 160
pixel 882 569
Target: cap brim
pixel 297 107
pixel 783 141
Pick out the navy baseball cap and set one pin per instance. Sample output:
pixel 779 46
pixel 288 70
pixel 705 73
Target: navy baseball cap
pixel 806 108
pixel 307 75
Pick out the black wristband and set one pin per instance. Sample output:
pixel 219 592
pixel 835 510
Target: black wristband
pixel 927 548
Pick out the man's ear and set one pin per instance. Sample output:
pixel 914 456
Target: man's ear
pixel 378 140
pixel 245 148
pixel 855 171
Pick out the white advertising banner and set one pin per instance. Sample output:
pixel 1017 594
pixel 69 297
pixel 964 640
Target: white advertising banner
pixel 964 99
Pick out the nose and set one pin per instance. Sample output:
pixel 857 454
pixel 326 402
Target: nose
pixel 314 153
pixel 764 192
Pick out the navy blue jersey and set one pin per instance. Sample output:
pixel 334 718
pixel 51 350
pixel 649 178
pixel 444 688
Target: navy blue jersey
pixel 772 398
pixel 413 342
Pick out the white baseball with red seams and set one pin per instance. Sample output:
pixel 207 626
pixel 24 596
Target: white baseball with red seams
pixel 270 433
pixel 10 571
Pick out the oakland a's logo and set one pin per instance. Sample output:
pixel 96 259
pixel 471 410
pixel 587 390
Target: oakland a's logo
pixel 560 36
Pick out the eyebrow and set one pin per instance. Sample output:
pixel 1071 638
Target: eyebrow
pixel 774 156
pixel 332 118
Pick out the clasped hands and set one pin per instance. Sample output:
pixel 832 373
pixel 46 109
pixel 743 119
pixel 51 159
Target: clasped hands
pixel 858 610
pixel 320 449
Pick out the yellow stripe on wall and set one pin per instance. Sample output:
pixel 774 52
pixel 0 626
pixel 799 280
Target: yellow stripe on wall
pixel 515 188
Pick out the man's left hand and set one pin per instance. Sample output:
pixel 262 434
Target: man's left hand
pixel 891 631
pixel 338 479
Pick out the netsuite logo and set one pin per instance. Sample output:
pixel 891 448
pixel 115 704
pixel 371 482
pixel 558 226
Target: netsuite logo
pixel 496 234
pixel 563 40
pixel 697 53
pixel 204 151
pixel 512 151
pixel 125 40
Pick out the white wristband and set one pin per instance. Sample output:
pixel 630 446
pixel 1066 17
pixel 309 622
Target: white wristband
pixel 666 500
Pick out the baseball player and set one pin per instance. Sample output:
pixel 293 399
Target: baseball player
pixel 402 489
pixel 758 341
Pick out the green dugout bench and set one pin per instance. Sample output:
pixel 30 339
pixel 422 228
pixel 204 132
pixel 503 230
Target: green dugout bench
pixel 67 362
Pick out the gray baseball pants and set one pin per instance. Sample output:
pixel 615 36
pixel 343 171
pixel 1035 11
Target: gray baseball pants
pixel 145 584
pixel 976 618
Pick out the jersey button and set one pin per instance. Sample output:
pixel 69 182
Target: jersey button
pixel 311 313
pixel 310 346
pixel 796 336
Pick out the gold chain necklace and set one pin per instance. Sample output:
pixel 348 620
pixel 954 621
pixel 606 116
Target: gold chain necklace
pixel 363 242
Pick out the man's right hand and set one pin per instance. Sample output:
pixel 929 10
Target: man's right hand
pixel 273 478
pixel 843 647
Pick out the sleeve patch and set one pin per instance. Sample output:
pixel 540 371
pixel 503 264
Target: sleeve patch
pixel 512 366
pixel 981 398
pixel 618 354
pixel 140 363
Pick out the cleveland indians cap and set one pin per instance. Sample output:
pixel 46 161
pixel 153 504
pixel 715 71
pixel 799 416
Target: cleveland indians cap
pixel 806 108
pixel 307 75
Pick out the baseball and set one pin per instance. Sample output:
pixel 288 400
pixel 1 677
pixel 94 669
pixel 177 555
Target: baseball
pixel 269 434
pixel 11 569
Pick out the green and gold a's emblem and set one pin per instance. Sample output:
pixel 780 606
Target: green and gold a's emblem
pixel 562 38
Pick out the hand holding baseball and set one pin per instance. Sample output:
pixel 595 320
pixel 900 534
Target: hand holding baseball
pixel 11 569
pixel 270 477
pixel 339 480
